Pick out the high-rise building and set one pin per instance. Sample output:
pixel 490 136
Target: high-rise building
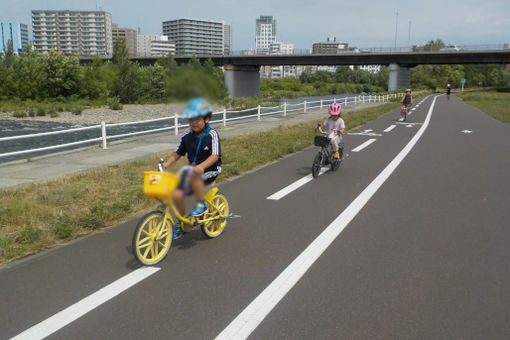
pixel 15 32
pixel 76 32
pixel 227 39
pixel 265 34
pixel 154 45
pixel 126 34
pixel 198 37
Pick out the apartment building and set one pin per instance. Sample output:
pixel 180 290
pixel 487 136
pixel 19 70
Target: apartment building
pixel 154 45
pixel 198 37
pixel 265 34
pixel 126 34
pixel 15 32
pixel 76 32
pixel 227 39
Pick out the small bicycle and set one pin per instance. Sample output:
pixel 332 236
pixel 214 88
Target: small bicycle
pixel 325 155
pixel 153 234
pixel 404 111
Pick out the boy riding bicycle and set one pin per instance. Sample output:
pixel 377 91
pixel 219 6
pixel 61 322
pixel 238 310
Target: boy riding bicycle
pixel 202 145
pixel 407 101
pixel 336 128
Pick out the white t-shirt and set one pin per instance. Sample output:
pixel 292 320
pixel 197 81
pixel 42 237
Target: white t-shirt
pixel 334 125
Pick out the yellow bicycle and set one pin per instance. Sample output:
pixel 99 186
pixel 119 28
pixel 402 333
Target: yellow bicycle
pixel 153 234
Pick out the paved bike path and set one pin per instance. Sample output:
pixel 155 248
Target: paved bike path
pixel 387 275
pixel 66 264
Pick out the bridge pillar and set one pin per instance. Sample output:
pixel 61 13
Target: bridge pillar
pixel 399 77
pixel 242 81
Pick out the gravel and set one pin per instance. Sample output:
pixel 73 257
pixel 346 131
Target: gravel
pixel 129 113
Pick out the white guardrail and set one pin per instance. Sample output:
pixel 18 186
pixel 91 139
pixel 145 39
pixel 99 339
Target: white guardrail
pixel 285 108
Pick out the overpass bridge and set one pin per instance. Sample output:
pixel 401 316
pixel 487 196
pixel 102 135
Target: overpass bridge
pixel 242 77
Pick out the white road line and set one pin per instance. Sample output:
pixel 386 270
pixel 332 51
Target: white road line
pixel 82 307
pixel 414 108
pixel 291 187
pixel 246 322
pixel 389 128
pixel 364 145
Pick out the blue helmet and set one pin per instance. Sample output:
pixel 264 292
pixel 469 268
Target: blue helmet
pixel 197 107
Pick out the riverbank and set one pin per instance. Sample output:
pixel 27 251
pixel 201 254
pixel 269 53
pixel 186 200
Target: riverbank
pixel 493 103
pixel 94 116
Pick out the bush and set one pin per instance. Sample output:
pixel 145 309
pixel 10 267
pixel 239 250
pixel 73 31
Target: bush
pixel 114 103
pixel 60 108
pixel 77 110
pixel 31 112
pixel 41 112
pixel 19 114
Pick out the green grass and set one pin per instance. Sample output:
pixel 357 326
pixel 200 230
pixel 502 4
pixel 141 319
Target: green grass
pixel 495 104
pixel 41 215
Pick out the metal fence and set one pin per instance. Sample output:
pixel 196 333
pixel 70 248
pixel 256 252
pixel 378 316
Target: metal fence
pixel 176 122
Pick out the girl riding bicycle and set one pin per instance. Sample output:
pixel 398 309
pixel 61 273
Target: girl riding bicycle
pixel 336 128
pixel 202 145
pixel 407 101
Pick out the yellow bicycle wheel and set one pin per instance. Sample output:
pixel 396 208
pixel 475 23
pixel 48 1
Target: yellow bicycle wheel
pixel 152 238
pixel 218 209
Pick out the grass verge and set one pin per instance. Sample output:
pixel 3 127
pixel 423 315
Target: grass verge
pixel 493 103
pixel 39 216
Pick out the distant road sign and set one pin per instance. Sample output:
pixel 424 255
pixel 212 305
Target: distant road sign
pixel 463 80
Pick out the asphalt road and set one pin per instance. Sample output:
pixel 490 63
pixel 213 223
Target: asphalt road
pixel 425 258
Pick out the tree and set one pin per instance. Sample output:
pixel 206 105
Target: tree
pixel 126 84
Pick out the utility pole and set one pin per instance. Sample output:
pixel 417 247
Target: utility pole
pixel 409 35
pixel 396 27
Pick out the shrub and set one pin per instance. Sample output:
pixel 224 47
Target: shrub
pixel 31 112
pixel 114 103
pixel 28 235
pixel 77 110
pixel 41 112
pixel 19 114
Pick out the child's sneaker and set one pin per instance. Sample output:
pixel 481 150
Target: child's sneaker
pixel 200 209
pixel 177 231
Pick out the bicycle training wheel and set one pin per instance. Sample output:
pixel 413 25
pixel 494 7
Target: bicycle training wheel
pixel 218 207
pixel 317 164
pixel 335 164
pixel 152 239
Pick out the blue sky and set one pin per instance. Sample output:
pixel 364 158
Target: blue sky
pixel 362 23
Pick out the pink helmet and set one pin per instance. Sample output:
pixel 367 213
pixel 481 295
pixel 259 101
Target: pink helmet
pixel 335 109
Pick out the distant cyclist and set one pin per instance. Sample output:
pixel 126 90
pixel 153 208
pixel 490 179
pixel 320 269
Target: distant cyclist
pixel 407 101
pixel 336 128
pixel 448 91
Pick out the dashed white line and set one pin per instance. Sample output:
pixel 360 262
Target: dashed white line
pixel 364 145
pixel 389 128
pixel 246 322
pixel 82 307
pixel 291 187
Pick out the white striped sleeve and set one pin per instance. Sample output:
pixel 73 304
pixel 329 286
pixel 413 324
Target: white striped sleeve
pixel 215 141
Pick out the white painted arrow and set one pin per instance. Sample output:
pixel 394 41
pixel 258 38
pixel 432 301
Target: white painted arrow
pixel 466 131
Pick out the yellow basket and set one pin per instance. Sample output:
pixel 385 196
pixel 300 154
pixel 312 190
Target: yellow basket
pixel 159 185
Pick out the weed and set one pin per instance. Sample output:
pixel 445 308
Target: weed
pixel 29 235
pixel 19 114
pixel 62 227
pixel 114 103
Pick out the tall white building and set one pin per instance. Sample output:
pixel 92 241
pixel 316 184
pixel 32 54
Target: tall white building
pixel 281 48
pixel 265 34
pixel 227 39
pixel 198 37
pixel 154 45
pixel 76 32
